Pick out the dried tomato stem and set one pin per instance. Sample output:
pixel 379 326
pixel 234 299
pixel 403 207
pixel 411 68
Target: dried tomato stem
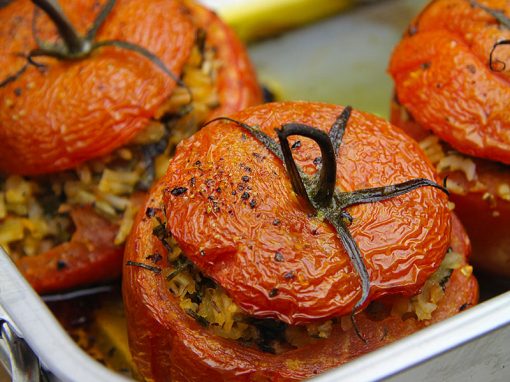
pixel 100 19
pixel 378 194
pixel 143 52
pixel 325 187
pixel 337 131
pixel 78 47
pixel 262 137
pixel 355 256
pixel 15 76
pixel 498 15
pixel 491 56
pixel 74 43
pixel 332 203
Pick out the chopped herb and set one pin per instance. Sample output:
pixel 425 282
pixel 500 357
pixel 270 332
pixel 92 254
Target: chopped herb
pixel 253 203
pixel 198 163
pixel 160 231
pixel 245 178
pixel 464 306
pixel 273 292
pixel 202 252
pixel 198 318
pixel 234 192
pixel 156 270
pixel 278 257
pixel 245 196
pixel 150 212
pixel 61 264
pixel 317 161
pixel 444 280
pixel 276 222
pixel 296 145
pixel 155 258
pixel 192 182
pixel 17 92
pixel 288 275
pixel 178 191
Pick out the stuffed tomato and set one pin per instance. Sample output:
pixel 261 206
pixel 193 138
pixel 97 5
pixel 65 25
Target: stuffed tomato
pixel 288 239
pixel 452 95
pixel 95 96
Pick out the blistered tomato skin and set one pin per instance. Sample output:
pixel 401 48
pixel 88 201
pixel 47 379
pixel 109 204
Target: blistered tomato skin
pixel 231 208
pixel 167 344
pixel 443 77
pixel 69 111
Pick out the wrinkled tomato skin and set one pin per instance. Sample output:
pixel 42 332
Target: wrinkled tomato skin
pixel 486 221
pixel 236 189
pixel 167 344
pixel 94 105
pixel 442 76
pixel 89 257
pixel 139 89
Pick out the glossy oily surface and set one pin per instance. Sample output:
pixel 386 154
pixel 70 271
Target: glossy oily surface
pixel 231 208
pixel 103 111
pixel 85 108
pixel 167 343
pixel 481 203
pixel 443 77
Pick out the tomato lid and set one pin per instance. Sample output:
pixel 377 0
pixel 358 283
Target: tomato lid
pixel 451 74
pixel 232 209
pixel 57 113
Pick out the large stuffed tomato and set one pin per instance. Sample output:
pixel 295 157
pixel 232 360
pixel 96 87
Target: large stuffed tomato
pixel 241 267
pixel 452 94
pixel 95 96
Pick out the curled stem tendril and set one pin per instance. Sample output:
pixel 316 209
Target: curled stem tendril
pixel 320 191
pixel 75 47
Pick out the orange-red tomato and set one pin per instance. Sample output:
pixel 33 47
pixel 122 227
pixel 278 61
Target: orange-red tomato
pixel 70 111
pixel 234 241
pixel 225 221
pixel 90 256
pixel 452 80
pixel 74 110
pixel 485 216
pixel 442 76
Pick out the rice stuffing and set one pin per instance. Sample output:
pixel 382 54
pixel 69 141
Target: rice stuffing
pixel 34 211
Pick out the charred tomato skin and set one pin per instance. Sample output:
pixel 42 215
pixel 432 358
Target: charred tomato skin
pixel 167 344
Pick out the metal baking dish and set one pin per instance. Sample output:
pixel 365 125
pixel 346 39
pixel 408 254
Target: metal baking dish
pixel 339 60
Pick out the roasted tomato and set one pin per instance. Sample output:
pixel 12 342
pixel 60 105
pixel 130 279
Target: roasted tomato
pixel 95 96
pixel 241 267
pixel 452 95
